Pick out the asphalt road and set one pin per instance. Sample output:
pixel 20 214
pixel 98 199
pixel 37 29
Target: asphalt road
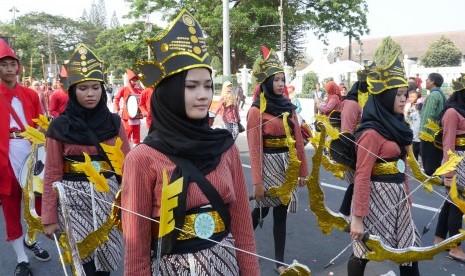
pixel 305 242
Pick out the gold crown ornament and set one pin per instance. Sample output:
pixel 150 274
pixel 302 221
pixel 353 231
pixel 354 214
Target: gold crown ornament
pixel 459 83
pixel 84 65
pixel 270 65
pixel 392 76
pixel 181 47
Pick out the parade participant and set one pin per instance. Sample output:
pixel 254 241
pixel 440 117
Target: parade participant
pixel 381 205
pixel 85 124
pixel 452 119
pixel 40 92
pixel 351 114
pixel 20 105
pixel 184 146
pixel 430 155
pixel 144 106
pixel 269 163
pixel 132 125
pixel 59 98
pixel 229 108
pixel 333 101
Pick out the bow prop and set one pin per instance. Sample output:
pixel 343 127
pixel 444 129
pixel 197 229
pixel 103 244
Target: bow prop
pixel 379 252
pixel 292 173
pixel 326 218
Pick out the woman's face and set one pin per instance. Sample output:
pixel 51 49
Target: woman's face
pixel 412 97
pixel 198 93
pixel 278 84
pixel 88 93
pixel 400 100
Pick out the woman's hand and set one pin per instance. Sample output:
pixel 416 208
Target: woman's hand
pixel 50 229
pixel 357 229
pixel 302 182
pixel 448 182
pixel 258 192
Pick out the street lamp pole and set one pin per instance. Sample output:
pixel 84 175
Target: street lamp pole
pixel 281 15
pixel 226 40
pixel 14 9
pixel 148 30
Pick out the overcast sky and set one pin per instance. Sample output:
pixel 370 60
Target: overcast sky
pixel 388 17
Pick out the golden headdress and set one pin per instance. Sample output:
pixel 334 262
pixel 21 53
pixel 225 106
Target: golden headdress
pixel 270 65
pixel 363 73
pixel 84 65
pixel 392 76
pixel 459 83
pixel 181 47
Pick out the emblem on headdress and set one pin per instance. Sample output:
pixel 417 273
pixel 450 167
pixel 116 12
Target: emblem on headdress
pixel 84 65
pixel 393 76
pixel 270 65
pixel 181 47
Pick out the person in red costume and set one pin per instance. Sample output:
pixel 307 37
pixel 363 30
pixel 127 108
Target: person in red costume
pixel 58 99
pixel 20 105
pixel 144 106
pixel 131 125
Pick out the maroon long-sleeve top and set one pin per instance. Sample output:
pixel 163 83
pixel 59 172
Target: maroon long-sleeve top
pixel 142 186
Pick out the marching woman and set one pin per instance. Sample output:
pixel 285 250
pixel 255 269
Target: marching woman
pixel 333 101
pixel 213 197
pixel 452 119
pixel 230 107
pixel 85 124
pixel 351 114
pixel 381 205
pixel 269 152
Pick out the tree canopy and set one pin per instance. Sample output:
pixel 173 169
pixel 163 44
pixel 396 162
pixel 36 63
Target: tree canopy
pixel 256 23
pixel 442 53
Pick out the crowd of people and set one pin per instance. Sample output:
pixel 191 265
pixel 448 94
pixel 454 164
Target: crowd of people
pixel 183 193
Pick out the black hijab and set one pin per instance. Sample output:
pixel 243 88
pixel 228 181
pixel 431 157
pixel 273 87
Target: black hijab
pixel 456 101
pixel 174 134
pixel 353 93
pixel 378 115
pixel 73 124
pixel 276 105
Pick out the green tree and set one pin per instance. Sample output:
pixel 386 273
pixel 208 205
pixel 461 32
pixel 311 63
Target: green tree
pixel 256 23
pixel 442 53
pixel 102 13
pixel 114 23
pixel 308 83
pixel 121 47
pixel 387 51
pixel 216 64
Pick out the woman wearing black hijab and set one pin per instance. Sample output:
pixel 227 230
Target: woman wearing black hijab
pixel 212 199
pixel 85 124
pixel 273 160
pixel 452 120
pixel 380 204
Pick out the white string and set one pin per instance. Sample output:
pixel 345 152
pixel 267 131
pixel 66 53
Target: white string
pixel 187 232
pixel 62 261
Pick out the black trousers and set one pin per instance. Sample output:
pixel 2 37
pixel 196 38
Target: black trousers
pixel 356 267
pixel 416 149
pixel 449 221
pixel 431 157
pixel 90 270
pixel 279 228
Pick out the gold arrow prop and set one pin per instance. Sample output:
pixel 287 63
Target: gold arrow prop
pixel 115 154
